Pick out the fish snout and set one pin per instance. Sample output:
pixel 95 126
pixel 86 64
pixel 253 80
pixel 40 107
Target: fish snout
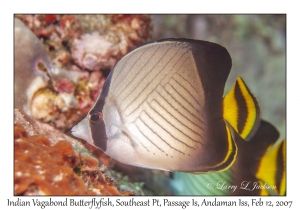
pixel 83 131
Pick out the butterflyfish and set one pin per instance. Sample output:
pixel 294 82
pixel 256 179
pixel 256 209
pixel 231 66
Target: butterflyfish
pixel 162 107
pixel 259 169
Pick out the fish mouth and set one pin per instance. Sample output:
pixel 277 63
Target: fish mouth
pixel 83 131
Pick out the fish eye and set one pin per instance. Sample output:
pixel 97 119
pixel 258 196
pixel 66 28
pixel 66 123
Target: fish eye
pixel 95 117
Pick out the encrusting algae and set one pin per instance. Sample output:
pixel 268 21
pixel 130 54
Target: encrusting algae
pixel 42 169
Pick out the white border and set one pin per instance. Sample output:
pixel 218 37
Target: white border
pixel 154 6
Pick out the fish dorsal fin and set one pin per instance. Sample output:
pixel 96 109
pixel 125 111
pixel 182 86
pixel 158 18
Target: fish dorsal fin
pixel 241 110
pixel 214 64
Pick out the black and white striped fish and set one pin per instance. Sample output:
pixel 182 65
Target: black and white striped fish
pixel 162 107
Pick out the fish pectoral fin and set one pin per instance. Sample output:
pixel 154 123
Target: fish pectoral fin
pixel 118 120
pixel 241 110
pixel 132 138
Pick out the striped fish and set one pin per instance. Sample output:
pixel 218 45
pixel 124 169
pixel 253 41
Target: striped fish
pixel 162 107
pixel 259 169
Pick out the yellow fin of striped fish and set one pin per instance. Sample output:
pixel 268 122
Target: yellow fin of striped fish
pixel 272 169
pixel 241 110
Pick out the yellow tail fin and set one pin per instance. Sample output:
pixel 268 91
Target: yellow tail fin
pixel 241 110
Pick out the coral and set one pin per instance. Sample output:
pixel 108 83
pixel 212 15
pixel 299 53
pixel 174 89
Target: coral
pixel 41 89
pixel 65 86
pixel 84 45
pixel 59 109
pixel 28 52
pixel 133 30
pixel 120 34
pixel 41 169
pixel 116 33
pixel 125 184
pixel 35 127
pixel 94 52
pixel 48 162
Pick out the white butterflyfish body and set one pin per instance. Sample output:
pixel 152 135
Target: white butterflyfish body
pixel 162 107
